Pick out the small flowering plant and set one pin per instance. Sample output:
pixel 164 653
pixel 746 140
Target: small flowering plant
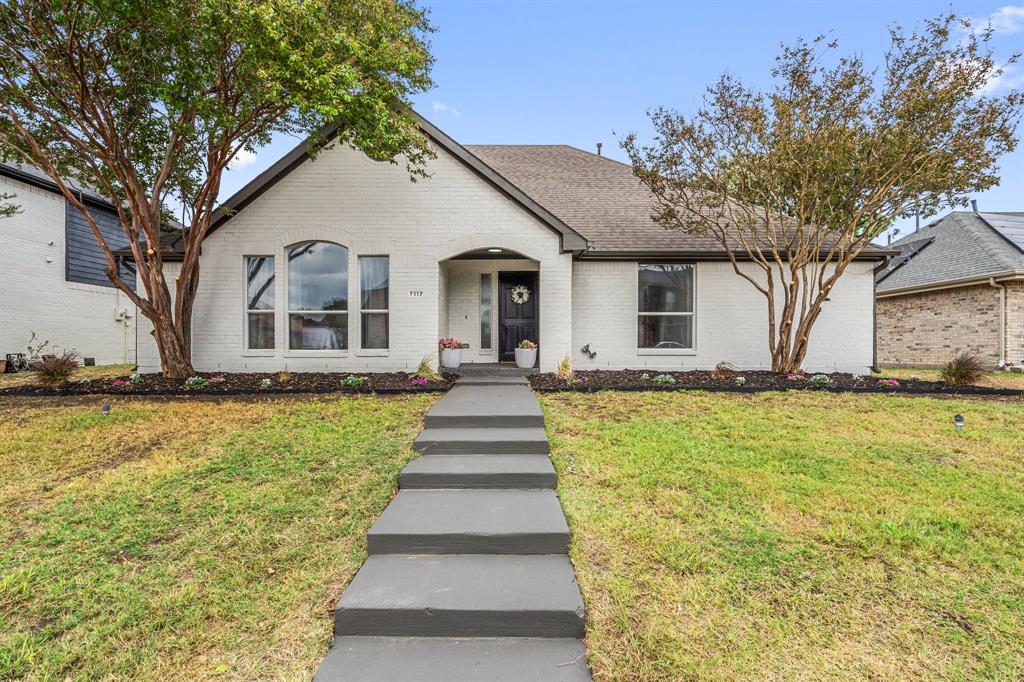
pixel 266 384
pixel 353 381
pixel 892 383
pixel 450 344
pixel 740 381
pixel 135 379
pixel 820 380
pixel 218 379
pixel 664 379
pixel 796 376
pixel 418 381
pixel 119 383
pixel 526 344
pixel 196 382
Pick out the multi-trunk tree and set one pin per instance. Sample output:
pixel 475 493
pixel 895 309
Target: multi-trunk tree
pixel 149 101
pixel 796 182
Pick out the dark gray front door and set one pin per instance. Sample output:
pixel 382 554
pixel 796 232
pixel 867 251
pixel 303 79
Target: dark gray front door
pixel 517 321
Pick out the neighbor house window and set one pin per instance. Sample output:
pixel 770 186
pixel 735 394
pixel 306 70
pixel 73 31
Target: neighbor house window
pixel 485 311
pixel 317 296
pixel 374 274
pixel 665 307
pixel 259 302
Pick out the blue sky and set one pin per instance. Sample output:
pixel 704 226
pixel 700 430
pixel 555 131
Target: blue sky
pixel 579 73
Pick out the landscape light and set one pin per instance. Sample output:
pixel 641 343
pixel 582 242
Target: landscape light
pixel 958 421
pixel 105 409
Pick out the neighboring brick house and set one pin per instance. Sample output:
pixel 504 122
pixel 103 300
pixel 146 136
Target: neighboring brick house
pixel 958 285
pixel 53 278
pixel 342 264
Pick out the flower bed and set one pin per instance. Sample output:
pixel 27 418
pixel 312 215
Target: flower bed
pixel 750 382
pixel 244 384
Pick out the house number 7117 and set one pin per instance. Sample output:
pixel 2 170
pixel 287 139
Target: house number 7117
pixel 416 293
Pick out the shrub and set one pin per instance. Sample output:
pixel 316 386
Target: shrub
pixel 196 382
pixel 564 369
pixel 724 371
pixel 426 371
pixel 284 377
pixel 353 381
pixel 55 370
pixel 664 379
pixel 964 368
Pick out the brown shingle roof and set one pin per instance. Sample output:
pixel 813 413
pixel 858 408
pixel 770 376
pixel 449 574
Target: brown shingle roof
pixel 596 196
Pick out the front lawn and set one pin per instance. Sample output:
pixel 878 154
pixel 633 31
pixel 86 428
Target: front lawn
pixel 94 373
pixel 187 539
pixel 992 379
pixel 794 535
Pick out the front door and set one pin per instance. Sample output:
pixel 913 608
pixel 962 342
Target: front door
pixel 518 312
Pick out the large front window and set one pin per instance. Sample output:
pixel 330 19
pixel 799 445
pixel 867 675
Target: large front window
pixel 665 307
pixel 317 296
pixel 374 277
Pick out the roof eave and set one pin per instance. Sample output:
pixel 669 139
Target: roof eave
pixel 690 254
pixel 1005 276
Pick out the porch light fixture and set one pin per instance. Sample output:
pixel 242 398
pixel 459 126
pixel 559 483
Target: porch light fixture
pixel 958 422
pixel 493 250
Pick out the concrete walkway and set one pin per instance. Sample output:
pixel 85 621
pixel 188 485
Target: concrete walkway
pixel 468 576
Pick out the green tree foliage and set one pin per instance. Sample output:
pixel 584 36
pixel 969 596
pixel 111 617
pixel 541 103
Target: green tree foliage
pixel 149 101
pixel 7 209
pixel 800 179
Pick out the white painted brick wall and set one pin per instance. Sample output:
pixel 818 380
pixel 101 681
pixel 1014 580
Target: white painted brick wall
pixel 731 321
pixel 34 295
pixel 373 209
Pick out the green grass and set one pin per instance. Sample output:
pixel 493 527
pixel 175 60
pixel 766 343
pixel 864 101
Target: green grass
pixel 186 539
pixel 794 535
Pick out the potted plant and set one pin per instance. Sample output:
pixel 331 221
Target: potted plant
pixel 451 353
pixel 526 354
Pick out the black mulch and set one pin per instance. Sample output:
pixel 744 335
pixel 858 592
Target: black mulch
pixel 245 384
pixel 753 382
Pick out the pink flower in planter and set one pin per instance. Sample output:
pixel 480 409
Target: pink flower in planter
pixel 118 383
pixel 889 382
pixel 450 344
pixel 219 379
pixel 795 376
pixel 418 381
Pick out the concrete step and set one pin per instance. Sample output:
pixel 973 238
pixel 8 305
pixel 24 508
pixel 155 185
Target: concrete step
pixel 471 522
pixel 470 659
pixel 500 406
pixel 462 595
pixel 479 471
pixel 518 441
pixel 492 380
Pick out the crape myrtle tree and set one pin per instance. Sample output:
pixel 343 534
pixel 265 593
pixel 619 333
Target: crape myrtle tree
pixel 149 101
pixel 7 207
pixel 797 181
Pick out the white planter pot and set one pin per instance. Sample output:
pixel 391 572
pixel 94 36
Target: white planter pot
pixel 451 357
pixel 526 357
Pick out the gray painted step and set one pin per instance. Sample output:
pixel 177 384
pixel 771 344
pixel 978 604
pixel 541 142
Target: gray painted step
pixel 486 406
pixel 526 441
pixel 492 380
pixel 471 522
pixel 476 659
pixel 462 595
pixel 479 471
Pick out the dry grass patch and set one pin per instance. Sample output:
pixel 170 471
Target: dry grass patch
pixel 98 372
pixel 990 379
pixel 187 539
pixel 794 535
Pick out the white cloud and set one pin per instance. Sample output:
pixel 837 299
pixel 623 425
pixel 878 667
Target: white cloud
pixel 1005 20
pixel 243 158
pixel 442 108
pixel 1010 78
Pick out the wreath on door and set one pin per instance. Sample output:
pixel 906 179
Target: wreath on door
pixel 520 294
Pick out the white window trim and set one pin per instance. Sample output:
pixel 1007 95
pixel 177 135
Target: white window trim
pixel 636 313
pixel 290 352
pixel 372 352
pixel 256 352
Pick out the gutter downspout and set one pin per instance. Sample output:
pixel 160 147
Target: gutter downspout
pixel 1002 320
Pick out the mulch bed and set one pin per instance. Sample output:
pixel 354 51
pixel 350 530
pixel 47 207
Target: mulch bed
pixel 243 384
pixel 754 382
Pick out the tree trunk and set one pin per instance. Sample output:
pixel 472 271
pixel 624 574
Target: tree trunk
pixel 175 350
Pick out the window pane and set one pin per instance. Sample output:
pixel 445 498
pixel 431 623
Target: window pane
pixel 485 310
pixel 317 277
pixel 375 330
pixel 665 331
pixel 666 288
pixel 373 281
pixel 261 331
pixel 260 282
pixel 318 332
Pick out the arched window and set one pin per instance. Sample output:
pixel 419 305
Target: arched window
pixel 317 296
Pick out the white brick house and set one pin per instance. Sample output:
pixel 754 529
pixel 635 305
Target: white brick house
pixel 342 264
pixel 52 281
